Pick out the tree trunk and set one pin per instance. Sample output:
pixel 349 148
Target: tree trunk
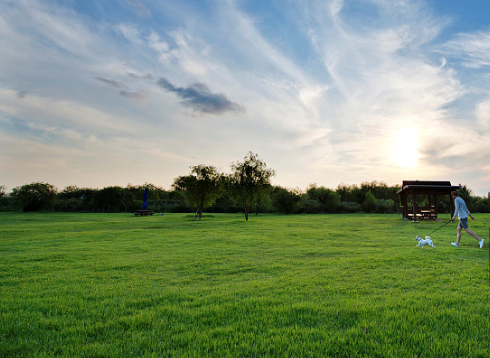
pixel 246 213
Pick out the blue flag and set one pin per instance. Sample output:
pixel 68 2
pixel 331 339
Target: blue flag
pixel 145 198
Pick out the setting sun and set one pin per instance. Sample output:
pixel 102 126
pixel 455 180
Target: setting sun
pixel 405 148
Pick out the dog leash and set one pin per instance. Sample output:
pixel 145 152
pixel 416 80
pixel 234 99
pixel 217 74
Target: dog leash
pixel 440 227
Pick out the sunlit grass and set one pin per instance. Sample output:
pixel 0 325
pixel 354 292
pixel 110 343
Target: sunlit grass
pixel 113 285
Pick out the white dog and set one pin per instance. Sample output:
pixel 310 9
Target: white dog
pixel 422 242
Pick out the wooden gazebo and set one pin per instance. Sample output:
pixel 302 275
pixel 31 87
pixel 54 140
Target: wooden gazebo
pixel 432 189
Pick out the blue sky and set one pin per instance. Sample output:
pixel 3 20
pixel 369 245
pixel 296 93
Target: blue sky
pixel 99 93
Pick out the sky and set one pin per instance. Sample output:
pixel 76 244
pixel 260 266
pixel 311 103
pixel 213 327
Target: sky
pixel 98 93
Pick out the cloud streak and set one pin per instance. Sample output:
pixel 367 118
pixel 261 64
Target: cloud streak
pixel 112 83
pixel 199 97
pixel 123 89
pixel 135 96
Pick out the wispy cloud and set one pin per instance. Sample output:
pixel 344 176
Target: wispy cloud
pixel 113 83
pixel 135 96
pixel 140 8
pixel 148 76
pixel 473 49
pixel 56 30
pixel 63 113
pixel 130 33
pixel 124 90
pixel 199 97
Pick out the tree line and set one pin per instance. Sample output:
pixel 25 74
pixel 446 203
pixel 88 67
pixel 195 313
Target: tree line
pixel 247 189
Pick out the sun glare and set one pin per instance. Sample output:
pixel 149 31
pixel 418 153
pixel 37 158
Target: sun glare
pixel 405 148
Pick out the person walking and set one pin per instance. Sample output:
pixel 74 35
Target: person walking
pixel 463 213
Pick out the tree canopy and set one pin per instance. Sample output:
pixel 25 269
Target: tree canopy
pixel 35 196
pixel 201 187
pixel 249 179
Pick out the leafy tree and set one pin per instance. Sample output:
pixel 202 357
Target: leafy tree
pixel 310 202
pixel 5 200
pixel 35 196
pixel 329 199
pixel 109 199
pixel 370 203
pixel 332 202
pixel 285 201
pixel 326 199
pixel 465 193
pixel 380 190
pixel 350 193
pixel 226 203
pixel 250 179
pixel 71 191
pixel 176 202
pixel 202 187
pixel 263 201
pixel 73 198
pixel 69 199
pixel 481 204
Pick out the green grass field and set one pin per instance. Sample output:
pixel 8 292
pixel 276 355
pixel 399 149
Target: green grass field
pixel 115 285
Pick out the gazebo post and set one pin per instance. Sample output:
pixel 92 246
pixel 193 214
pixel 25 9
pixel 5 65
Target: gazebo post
pixel 414 209
pixel 403 203
pixel 435 205
pixel 430 206
pixel 405 206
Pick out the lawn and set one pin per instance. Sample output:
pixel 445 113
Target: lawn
pixel 115 285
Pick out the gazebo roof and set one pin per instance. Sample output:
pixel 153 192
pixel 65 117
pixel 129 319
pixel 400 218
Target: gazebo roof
pixel 427 187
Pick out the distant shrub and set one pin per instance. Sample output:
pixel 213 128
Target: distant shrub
pixel 350 207
pixel 386 206
pixel 370 203
pixel 310 206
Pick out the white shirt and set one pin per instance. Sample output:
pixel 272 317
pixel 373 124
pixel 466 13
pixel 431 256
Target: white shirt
pixel 460 208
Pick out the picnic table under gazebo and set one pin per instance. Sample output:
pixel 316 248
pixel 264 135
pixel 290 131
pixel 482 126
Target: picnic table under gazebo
pixel 432 189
